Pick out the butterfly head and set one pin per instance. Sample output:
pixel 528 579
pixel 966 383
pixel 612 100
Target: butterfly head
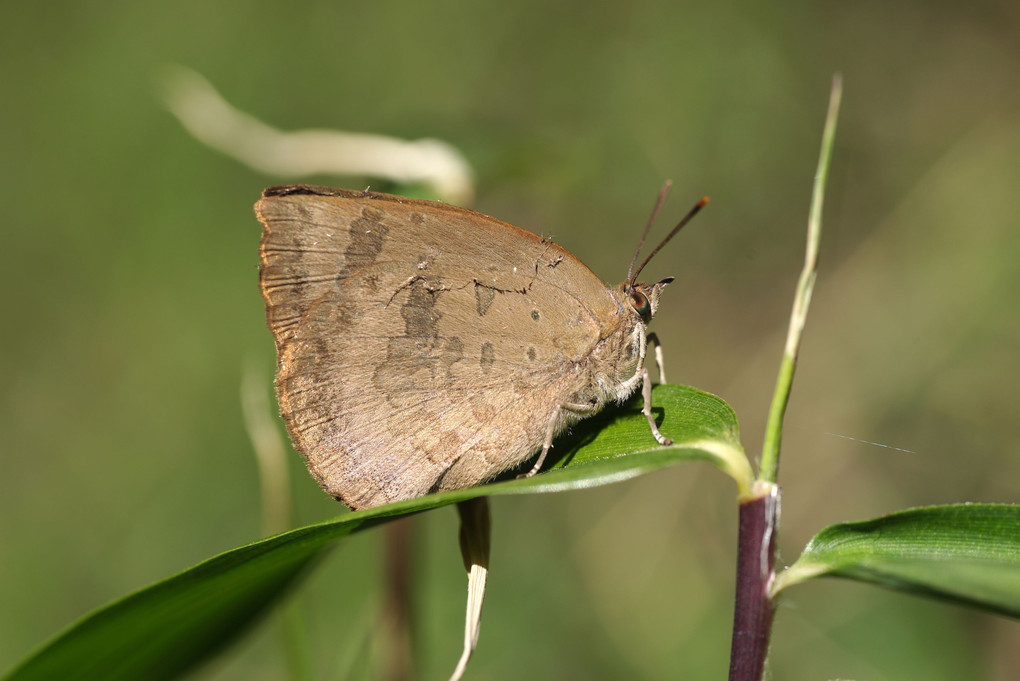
pixel 644 298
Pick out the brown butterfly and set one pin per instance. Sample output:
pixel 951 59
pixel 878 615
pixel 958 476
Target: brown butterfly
pixel 423 347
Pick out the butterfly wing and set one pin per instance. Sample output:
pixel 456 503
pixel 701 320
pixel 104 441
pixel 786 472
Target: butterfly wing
pixel 420 346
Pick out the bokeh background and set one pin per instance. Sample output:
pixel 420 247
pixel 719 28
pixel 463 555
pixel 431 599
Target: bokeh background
pixel 131 307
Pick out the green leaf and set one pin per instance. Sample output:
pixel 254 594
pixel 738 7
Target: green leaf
pixel 162 630
pixel 968 553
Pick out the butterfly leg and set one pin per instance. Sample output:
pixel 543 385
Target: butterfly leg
pixel 646 392
pixel 653 339
pixel 550 433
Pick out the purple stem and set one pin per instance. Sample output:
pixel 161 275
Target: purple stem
pixel 753 608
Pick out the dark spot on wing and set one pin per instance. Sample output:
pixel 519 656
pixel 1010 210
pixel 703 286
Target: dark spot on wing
pixel 367 237
pixel 488 357
pixel 421 320
pixel 452 352
pixel 483 298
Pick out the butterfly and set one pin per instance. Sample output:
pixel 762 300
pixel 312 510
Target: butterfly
pixel 423 347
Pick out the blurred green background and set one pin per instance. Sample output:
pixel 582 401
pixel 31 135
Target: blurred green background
pixel 132 306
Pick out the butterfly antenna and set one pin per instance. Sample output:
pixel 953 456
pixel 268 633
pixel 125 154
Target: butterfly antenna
pixel 687 218
pixel 663 193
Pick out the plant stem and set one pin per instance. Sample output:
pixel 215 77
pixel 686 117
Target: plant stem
pixel 397 610
pixel 754 607
pixel 802 298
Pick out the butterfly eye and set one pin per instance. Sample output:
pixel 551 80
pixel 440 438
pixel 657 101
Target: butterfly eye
pixel 639 301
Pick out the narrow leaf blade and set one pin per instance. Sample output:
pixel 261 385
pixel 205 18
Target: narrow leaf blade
pixel 163 630
pixel 968 553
